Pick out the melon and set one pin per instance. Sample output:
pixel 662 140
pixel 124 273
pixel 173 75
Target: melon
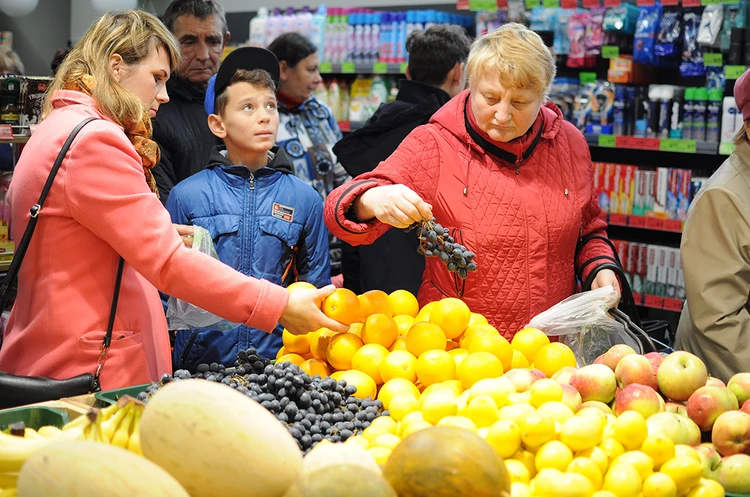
pixel 217 441
pixel 342 481
pixel 446 461
pixel 90 469
pixel 337 454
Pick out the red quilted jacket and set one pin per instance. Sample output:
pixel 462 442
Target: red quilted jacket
pixel 522 223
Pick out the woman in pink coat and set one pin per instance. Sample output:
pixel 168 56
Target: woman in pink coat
pixel 103 205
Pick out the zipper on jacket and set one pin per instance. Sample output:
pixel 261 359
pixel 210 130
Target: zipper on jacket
pixel 518 165
pixel 252 181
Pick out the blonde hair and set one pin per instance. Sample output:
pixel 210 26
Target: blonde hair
pixel 10 61
pixel 741 136
pixel 132 34
pixel 516 55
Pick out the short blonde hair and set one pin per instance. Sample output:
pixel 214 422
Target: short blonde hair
pixel 516 55
pixel 741 136
pixel 132 34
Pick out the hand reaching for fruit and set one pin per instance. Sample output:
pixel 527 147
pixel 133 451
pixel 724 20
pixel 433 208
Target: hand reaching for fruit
pixel 397 205
pixel 303 315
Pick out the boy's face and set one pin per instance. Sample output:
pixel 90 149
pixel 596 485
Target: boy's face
pixel 250 119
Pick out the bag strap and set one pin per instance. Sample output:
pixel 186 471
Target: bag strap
pixel 23 247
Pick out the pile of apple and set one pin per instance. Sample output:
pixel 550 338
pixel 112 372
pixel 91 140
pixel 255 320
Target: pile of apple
pixel 698 408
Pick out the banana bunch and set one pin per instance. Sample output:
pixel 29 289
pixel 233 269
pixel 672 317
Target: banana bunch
pixel 118 424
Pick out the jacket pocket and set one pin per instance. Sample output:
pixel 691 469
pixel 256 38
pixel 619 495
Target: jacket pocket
pixel 126 363
pixel 279 248
pixel 224 230
pixel 92 340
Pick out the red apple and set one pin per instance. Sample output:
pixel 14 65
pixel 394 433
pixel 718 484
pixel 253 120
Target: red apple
pixel 694 433
pixel 639 398
pixel 706 404
pixel 677 408
pixel 522 379
pixel 746 407
pixel 539 375
pixel 714 382
pixel 655 358
pixel 711 460
pixel 739 384
pixel 731 433
pixel 571 398
pixel 635 368
pixel 671 425
pixel 680 375
pixel 595 382
pixel 734 474
pixel 599 360
pixel 563 375
pixel 612 357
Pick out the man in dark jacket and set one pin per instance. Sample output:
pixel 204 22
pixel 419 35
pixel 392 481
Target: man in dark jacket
pixel 180 127
pixel 435 74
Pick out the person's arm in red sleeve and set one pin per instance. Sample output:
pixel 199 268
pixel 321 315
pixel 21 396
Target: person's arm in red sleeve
pixel 415 164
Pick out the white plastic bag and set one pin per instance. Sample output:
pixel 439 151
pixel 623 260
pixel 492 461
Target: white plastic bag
pixel 182 315
pixel 583 324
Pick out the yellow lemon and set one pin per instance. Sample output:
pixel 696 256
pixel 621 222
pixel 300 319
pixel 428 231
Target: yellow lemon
pixel 553 357
pixel 497 388
pixel 394 387
pixel 529 341
pixel 558 411
pixel 587 468
pixel 402 405
pixel 412 416
pixel 387 440
pixel 545 482
pixel 597 456
pixel 516 413
pixel 414 427
pixel 660 448
pixel 573 485
pixel 370 433
pixel 659 485
pixel 640 461
pixel 631 430
pixel 458 422
pixel 385 422
pixel 706 488
pixel 482 410
pixel 519 361
pixel 545 390
pixel 476 318
pixel 685 471
pixel 473 331
pixel 517 471
pixel 687 451
pixel 477 366
pixel 612 448
pixel 505 437
pixel 527 458
pixel 458 356
pixel 369 359
pixel 536 430
pixel 580 433
pixel 553 454
pixel 435 366
pixel 496 345
pixel 622 480
pixel 603 493
pixel 437 406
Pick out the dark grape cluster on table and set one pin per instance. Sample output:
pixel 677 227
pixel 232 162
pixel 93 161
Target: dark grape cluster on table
pixel 312 408
pixel 436 241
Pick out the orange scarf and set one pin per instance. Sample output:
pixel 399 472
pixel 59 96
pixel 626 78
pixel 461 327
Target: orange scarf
pixel 139 134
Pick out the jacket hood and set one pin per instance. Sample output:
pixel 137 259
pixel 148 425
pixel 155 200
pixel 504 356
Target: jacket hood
pixel 451 117
pixel 414 92
pixel 279 161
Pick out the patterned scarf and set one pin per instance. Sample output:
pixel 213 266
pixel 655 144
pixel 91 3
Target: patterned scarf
pixel 139 134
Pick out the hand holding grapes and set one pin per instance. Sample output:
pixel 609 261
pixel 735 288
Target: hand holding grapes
pixel 396 205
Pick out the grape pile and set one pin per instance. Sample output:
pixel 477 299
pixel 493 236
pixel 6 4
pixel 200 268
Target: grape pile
pixel 436 241
pixel 312 408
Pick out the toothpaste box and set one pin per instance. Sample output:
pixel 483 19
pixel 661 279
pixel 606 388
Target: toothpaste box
pixel 673 187
pixel 606 187
pixel 680 294
pixel 673 268
pixel 639 267
pixel 639 194
pixel 651 270
pixel 661 271
pixel 662 186
pixel 614 194
pixel 627 190
pixel 683 194
pixel 623 248
pixel 650 197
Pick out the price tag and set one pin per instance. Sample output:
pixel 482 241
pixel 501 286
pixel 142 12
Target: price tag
pixel 645 3
pixel 713 60
pixel 734 72
pixel 485 5
pixel 462 5
pixel 637 142
pixel 691 3
pixel 610 52
pixel 551 4
pixel 726 148
pixel 637 221
pixel 618 219
pixel 380 68
pixel 668 3
pixel 655 223
pixel 6 132
pixel 587 77
pixel 530 4
pixel 607 141
pixel 673 304
pixel 654 301
pixel 325 68
pixel 730 1
pixel 569 4
pixel 674 225
pixel 710 2
pixel 637 298
pixel 348 68
pixel 404 65
pixel 673 145
pixel 612 3
pixel 591 4
pixel 502 4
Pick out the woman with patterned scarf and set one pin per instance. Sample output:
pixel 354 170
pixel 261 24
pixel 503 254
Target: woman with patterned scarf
pixel 102 207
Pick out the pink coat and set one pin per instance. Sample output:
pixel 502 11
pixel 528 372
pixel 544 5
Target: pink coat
pixel 99 208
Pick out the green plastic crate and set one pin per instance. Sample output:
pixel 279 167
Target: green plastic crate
pixel 111 396
pixel 737 495
pixel 34 417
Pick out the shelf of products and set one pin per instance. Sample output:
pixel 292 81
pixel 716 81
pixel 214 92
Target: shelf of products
pixel 16 140
pixel 362 68
pixel 645 222
pixel 661 303
pixel 653 144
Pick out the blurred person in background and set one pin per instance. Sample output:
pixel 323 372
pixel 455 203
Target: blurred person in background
pixel 10 65
pixel 435 74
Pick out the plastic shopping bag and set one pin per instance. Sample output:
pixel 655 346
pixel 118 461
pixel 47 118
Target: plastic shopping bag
pixel 182 315
pixel 583 324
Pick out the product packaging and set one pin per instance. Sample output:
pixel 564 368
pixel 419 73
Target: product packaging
pixel 669 39
pixel 652 265
pixel 710 26
pixel 692 55
pixel 661 271
pixel 731 120
pixel 645 34
pixel 673 268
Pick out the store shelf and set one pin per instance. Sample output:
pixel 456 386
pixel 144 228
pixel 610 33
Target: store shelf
pixel 362 68
pixel 347 126
pixel 653 144
pixel 645 222
pixel 661 303
pixel 18 140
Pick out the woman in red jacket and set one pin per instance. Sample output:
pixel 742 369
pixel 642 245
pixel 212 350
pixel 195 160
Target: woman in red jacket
pixel 512 180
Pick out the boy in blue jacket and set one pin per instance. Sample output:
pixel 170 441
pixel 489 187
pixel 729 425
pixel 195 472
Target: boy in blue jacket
pixel 265 222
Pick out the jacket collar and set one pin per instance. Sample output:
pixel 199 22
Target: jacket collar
pixel 278 162
pixel 414 92
pixel 183 88
pixel 64 98
pixel 742 153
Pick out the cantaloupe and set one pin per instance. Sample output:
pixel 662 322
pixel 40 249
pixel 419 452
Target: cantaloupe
pixel 336 454
pixel 90 469
pixel 342 481
pixel 216 441
pixel 446 461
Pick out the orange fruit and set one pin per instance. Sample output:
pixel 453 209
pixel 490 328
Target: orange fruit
pixel 399 344
pixel 435 366
pixel 478 366
pixel 366 386
pixel 368 359
pixel 496 345
pixel 399 364
pixel 458 356
pixel 553 357
pixel 397 387
pixel 293 358
pixel 297 344
pixel 404 303
pixel 282 351
pixel 374 302
pixel 356 329
pixel 424 312
pixel 342 305
pixel 341 349
pixel 319 343
pixel 302 285
pixel 452 315
pixel 381 329
pixel 404 323
pixel 314 366
pixel 529 341
pixel 473 331
pixel 476 318
pixel 519 360
pixel 423 337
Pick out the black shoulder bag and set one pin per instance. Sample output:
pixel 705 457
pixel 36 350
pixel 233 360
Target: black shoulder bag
pixel 20 390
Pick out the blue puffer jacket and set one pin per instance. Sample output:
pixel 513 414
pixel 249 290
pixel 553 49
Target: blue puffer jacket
pixel 267 224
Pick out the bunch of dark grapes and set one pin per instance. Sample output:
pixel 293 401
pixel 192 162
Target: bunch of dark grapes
pixel 312 408
pixel 436 241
